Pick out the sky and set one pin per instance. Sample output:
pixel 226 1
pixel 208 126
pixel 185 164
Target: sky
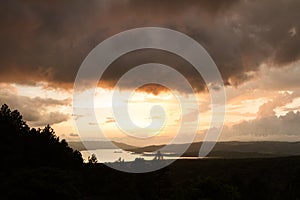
pixel 255 45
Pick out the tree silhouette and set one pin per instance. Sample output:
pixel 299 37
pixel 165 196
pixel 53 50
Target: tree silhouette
pixel 12 120
pixel 21 145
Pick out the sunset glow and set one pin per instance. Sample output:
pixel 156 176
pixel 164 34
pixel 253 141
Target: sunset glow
pixel 257 56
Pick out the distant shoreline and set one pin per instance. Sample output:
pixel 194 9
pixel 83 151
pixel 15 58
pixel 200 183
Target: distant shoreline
pixel 258 149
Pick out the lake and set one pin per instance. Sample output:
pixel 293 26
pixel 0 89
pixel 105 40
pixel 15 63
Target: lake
pixel 112 155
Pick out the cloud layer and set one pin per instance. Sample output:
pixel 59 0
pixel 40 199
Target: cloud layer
pixel 48 40
pixel 286 125
pixel 36 111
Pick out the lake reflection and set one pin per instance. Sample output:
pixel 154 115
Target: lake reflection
pixel 112 155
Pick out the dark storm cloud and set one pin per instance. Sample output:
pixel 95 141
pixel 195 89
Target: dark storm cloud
pixel 48 40
pixel 126 62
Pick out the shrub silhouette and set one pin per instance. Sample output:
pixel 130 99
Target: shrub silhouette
pixel 24 146
pixel 92 159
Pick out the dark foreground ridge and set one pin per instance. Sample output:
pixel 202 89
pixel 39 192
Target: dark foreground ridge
pixel 37 165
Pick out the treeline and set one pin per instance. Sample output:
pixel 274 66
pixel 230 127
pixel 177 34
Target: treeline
pixel 22 146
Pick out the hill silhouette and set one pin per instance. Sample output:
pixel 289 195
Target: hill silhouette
pixel 80 146
pixel 231 149
pixel 36 164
